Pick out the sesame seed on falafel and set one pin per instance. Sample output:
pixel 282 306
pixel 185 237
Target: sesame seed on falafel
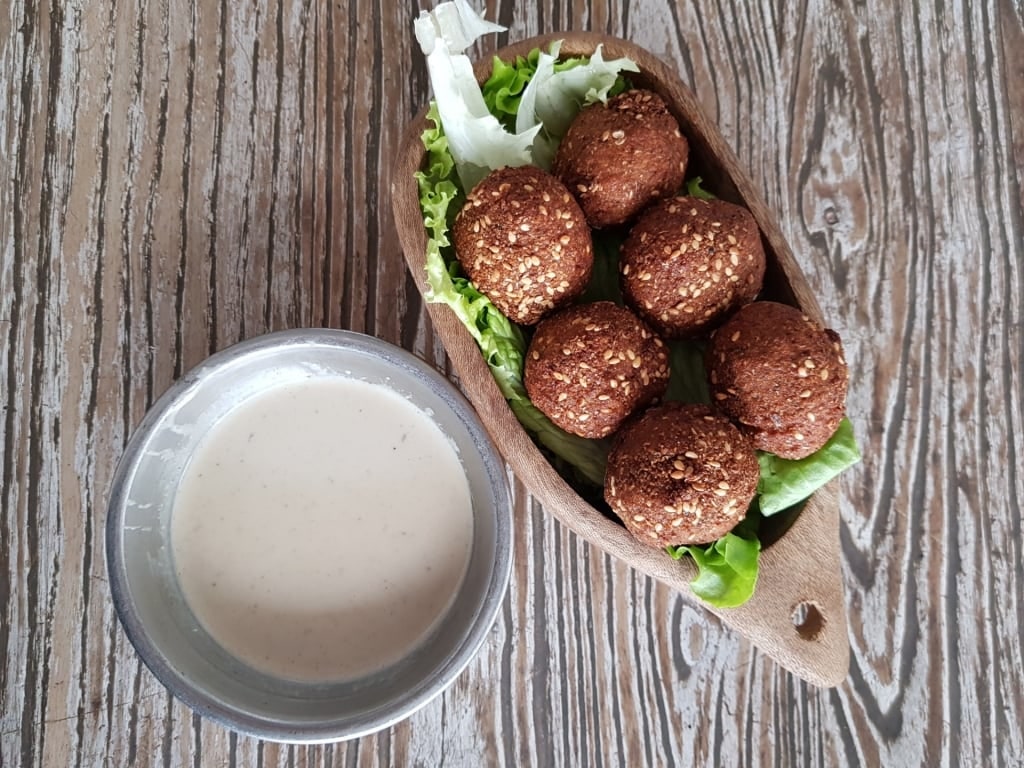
pixel 681 474
pixel 618 157
pixel 524 242
pixel 688 263
pixel 590 366
pixel 780 376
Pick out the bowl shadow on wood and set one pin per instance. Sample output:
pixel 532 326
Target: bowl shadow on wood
pixel 797 615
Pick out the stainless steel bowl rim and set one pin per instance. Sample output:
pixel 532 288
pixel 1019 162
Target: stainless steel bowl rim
pixel 343 728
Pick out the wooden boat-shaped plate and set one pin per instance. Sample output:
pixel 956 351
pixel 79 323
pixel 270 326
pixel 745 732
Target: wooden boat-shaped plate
pixel 797 615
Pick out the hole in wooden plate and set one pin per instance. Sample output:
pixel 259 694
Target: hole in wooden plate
pixel 808 620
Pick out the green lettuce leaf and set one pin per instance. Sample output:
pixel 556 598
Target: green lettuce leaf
pixel 785 482
pixel 694 189
pixel 503 90
pixel 726 568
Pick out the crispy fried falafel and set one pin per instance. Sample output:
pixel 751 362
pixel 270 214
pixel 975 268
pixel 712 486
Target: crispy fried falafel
pixel 681 474
pixel 524 242
pixel 688 263
pixel 780 376
pixel 618 157
pixel 590 366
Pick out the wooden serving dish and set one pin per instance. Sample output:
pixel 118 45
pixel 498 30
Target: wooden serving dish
pixel 797 614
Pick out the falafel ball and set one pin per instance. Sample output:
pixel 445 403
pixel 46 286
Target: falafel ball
pixel 619 156
pixel 688 263
pixel 681 474
pixel 524 242
pixel 780 376
pixel 590 366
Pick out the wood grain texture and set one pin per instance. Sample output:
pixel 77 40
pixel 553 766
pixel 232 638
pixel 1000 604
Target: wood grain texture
pixel 178 175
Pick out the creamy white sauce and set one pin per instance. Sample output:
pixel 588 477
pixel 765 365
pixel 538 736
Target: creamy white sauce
pixel 322 529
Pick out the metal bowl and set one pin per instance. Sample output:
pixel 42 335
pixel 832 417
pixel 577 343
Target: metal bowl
pixel 149 600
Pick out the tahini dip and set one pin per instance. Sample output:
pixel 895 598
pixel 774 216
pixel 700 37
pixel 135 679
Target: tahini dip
pixel 322 528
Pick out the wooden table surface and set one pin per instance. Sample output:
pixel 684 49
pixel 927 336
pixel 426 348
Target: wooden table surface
pixel 176 176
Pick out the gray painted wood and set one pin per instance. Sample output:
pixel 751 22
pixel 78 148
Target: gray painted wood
pixel 178 176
